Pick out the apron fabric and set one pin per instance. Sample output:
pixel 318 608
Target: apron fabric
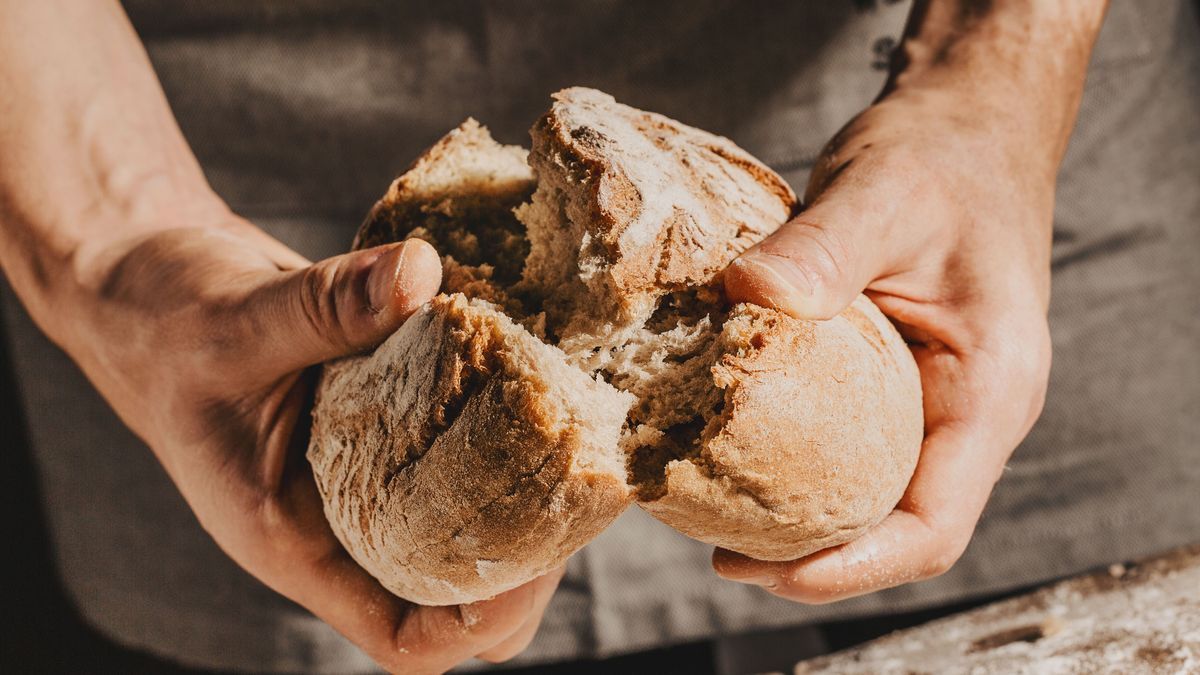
pixel 302 111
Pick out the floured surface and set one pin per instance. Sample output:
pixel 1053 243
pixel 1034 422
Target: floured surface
pixel 1138 618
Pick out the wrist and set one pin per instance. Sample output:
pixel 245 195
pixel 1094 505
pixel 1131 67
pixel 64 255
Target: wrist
pixel 1014 68
pixel 144 203
pixel 59 253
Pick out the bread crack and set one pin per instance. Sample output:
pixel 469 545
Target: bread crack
pixel 583 355
pixel 518 482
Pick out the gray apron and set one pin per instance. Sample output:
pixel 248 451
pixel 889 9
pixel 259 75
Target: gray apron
pixel 302 111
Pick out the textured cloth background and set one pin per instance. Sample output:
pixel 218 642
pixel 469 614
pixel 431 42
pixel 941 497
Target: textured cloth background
pixel 301 113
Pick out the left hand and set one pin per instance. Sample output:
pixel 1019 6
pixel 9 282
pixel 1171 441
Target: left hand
pixel 201 335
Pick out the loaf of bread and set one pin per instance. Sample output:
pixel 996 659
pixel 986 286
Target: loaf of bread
pixel 582 357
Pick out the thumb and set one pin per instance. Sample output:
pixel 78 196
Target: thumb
pixel 344 304
pixel 812 267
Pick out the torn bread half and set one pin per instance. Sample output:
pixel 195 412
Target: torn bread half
pixel 633 377
pixel 464 457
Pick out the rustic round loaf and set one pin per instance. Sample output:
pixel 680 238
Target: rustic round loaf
pixel 582 356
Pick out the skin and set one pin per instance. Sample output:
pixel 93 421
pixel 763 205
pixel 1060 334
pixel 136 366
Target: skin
pixel 937 202
pixel 199 329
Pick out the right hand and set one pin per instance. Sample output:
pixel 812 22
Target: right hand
pixel 200 338
pixel 945 222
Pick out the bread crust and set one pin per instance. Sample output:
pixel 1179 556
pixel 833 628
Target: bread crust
pixel 467 455
pixel 451 461
pixel 464 176
pixel 660 206
pixel 815 441
pixel 820 423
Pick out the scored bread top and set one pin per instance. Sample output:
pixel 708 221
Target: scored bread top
pixel 652 205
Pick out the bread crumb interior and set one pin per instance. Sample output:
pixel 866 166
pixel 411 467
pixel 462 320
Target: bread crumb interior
pixel 664 359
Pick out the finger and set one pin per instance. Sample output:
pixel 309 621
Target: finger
pixel 816 264
pixel 867 564
pixel 518 641
pixel 921 538
pixel 337 306
pixel 309 566
pixel 281 255
pixel 401 636
pixel 294 550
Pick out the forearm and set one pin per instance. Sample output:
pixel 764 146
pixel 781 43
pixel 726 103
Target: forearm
pixel 90 154
pixel 1015 65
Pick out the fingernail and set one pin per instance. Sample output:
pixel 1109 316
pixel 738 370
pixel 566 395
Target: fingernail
pixel 778 281
pixel 764 581
pixel 383 279
pixel 744 574
pixel 404 278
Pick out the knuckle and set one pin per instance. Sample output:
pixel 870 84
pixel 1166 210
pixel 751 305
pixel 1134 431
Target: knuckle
pixel 1021 354
pixel 317 301
pixel 799 586
pixel 830 258
pixel 939 564
pixel 945 555
pixel 1020 349
pixel 275 530
pixel 1041 383
pixel 420 642
pixel 829 165
pixel 822 255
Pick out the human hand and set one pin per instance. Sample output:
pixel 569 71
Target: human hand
pixel 198 328
pixel 200 337
pixel 937 202
pixel 946 224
